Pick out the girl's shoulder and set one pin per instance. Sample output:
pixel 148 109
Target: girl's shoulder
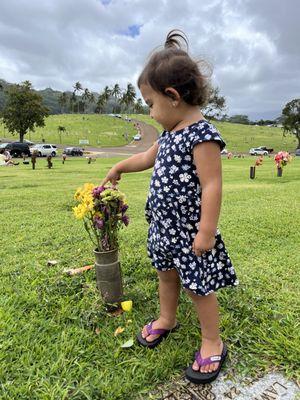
pixel 203 131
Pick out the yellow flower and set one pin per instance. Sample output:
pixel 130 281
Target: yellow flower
pixel 126 305
pixel 80 211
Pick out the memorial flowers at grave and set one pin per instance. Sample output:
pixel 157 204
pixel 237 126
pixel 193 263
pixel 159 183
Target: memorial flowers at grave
pixel 103 211
pixel 282 158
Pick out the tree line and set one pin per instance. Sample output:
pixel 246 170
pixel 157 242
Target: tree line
pixel 115 99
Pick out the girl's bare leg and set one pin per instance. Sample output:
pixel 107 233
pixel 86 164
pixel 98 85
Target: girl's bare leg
pixel 169 288
pixel 208 314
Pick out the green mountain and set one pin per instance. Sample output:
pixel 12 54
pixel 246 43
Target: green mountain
pixel 50 99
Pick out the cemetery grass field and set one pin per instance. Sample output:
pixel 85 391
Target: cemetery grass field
pixel 57 341
pixel 100 130
pixel 104 130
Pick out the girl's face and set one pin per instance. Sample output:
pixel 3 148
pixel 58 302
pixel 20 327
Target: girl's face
pixel 161 108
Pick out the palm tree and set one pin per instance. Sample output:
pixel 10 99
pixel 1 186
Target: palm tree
pixel 85 97
pixel 100 104
pixel 62 100
pixel 130 94
pixel 107 92
pixel 138 106
pixel 116 92
pixel 92 98
pixel 77 88
pixel 72 102
pixel 60 130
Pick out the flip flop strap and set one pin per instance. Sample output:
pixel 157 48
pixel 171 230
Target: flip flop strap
pixel 151 331
pixel 202 362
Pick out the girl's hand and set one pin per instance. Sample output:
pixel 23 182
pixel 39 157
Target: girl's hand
pixel 202 243
pixel 113 176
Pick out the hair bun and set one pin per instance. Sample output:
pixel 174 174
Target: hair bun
pixel 176 39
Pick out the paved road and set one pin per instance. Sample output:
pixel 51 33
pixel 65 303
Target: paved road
pixel 149 136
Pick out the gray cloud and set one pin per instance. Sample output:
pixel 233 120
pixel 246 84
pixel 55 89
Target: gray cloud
pixel 253 44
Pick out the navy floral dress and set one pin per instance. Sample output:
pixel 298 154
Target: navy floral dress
pixel 173 212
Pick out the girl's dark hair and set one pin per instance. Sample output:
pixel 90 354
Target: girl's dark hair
pixel 173 67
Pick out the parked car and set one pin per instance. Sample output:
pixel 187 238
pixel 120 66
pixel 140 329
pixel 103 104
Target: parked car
pixel 297 152
pixel 269 150
pixel 73 151
pixel 28 142
pixel 256 151
pixel 137 137
pixel 16 149
pixel 44 150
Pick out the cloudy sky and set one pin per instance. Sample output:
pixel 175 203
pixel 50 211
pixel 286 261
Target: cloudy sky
pixel 252 44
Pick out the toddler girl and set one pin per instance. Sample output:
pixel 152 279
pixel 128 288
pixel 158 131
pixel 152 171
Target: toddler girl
pixel 184 202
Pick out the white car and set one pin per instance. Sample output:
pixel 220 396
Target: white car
pixel 137 137
pixel 256 151
pixel 44 150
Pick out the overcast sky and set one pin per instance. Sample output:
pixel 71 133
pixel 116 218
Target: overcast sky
pixel 252 44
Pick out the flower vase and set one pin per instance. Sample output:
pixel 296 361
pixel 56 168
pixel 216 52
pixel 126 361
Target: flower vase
pixel 279 171
pixel 252 172
pixel 108 275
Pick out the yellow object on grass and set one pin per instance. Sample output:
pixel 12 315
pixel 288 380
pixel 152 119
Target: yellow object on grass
pixel 126 305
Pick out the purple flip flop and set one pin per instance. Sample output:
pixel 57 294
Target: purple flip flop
pixel 202 377
pixel 162 332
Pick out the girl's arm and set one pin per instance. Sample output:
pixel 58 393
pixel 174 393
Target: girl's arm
pixel 207 160
pixel 138 162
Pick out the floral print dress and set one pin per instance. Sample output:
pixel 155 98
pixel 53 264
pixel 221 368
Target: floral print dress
pixel 173 211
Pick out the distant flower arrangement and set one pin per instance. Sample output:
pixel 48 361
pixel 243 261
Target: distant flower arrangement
pixel 259 161
pixel 282 158
pixel 103 211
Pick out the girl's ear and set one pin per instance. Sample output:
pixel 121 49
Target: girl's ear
pixel 173 94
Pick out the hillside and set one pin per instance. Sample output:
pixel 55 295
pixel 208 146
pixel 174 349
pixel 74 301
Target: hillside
pixel 100 130
pixel 239 138
pixel 103 130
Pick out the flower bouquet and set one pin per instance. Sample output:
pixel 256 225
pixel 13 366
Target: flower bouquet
pixel 257 163
pixel 281 159
pixel 103 211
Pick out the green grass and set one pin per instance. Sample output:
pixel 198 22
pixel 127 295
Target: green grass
pixel 100 130
pixel 240 138
pixel 49 347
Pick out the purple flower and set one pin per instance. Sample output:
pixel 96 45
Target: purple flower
pixel 125 220
pixel 124 208
pixel 106 211
pixel 98 223
pixel 97 190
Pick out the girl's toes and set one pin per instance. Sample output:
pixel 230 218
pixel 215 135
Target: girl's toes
pixel 144 332
pixel 214 367
pixel 195 366
pixel 205 369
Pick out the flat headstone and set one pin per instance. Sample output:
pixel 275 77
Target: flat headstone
pixel 272 386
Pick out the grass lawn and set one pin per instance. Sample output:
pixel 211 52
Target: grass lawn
pixel 100 130
pixel 56 339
